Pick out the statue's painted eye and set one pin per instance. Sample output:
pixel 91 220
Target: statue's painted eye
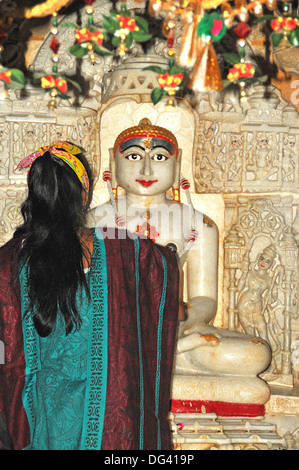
pixel 159 158
pixel 133 157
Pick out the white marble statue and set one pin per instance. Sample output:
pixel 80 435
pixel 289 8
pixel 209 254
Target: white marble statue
pixel 145 163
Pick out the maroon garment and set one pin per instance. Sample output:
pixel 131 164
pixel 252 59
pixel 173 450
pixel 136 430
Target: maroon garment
pixel 12 374
pixel 124 410
pixel 122 415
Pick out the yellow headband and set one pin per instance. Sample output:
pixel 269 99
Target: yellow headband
pixel 67 155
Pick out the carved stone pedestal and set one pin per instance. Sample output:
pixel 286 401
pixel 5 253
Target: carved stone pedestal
pixel 208 431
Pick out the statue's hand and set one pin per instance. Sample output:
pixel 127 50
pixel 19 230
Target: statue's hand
pixel 212 340
pixel 196 340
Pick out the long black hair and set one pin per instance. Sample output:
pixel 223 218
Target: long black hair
pixel 51 248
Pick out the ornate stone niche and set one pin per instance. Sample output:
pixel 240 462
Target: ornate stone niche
pixel 257 227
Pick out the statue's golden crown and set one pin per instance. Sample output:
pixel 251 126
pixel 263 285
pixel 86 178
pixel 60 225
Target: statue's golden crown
pixel 146 129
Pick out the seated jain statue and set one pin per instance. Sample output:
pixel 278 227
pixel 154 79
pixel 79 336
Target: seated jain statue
pixel 145 163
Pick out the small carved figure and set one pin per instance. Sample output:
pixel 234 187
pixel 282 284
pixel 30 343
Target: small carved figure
pixel 253 300
pixel 261 158
pixel 210 166
pixel 288 159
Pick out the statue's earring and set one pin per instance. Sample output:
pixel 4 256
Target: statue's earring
pixel 176 194
pixel 176 186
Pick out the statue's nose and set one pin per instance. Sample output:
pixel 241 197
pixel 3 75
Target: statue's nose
pixel 146 169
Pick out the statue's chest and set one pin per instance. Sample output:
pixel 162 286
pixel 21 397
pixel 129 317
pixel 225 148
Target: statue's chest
pixel 164 227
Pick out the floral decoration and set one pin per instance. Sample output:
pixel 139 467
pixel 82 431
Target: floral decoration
pixel 283 27
pixel 87 39
pixel 12 78
pixel 211 27
pixel 241 70
pixel 126 28
pixel 170 81
pixel 57 84
pixel 287 27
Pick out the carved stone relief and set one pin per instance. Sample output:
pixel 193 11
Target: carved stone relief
pixel 261 275
pixel 251 150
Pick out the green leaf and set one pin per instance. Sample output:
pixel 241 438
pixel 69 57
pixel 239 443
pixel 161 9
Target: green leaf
pixel 157 94
pixel 156 69
pixel 101 50
pixel 63 96
pixel 276 38
pixel 115 41
pixel 78 51
pixel 68 24
pixel 265 18
pixel 129 40
pixel 111 24
pixel 140 36
pixel 141 23
pixel 226 83
pixel 231 58
pixel 176 69
pixel 14 85
pixel 293 37
pixel 18 76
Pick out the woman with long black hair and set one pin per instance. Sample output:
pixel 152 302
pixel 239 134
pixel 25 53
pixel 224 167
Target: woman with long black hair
pixel 76 303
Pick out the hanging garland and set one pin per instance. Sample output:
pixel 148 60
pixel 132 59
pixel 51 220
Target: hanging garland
pixel 170 81
pixel 56 83
pixel 193 67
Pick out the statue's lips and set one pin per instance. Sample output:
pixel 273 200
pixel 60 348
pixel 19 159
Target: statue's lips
pixel 146 183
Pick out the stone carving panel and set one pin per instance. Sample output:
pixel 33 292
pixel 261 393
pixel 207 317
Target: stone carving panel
pixel 251 148
pixel 10 216
pixel 261 276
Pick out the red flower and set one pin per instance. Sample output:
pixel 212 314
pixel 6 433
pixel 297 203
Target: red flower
pixel 242 70
pixel 51 82
pixel 288 24
pixel 61 84
pixel 170 81
pixel 83 35
pixel 5 77
pixel 48 82
pixel 126 22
